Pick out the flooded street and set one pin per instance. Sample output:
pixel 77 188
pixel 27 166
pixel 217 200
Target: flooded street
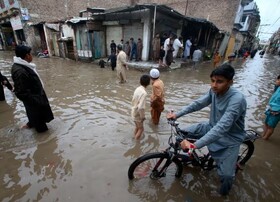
pixel 86 153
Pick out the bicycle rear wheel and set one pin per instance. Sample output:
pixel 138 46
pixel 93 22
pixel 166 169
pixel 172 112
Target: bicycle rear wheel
pixel 245 152
pixel 155 166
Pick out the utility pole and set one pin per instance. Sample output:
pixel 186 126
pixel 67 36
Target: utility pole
pixel 187 4
pixel 155 17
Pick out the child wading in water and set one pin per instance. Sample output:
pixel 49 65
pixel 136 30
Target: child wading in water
pixel 273 112
pixel 216 59
pixel 138 106
pixel 157 97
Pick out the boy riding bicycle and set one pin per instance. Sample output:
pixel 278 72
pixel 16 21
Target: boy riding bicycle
pixel 224 132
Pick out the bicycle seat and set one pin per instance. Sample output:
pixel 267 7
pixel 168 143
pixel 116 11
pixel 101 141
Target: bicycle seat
pixel 252 135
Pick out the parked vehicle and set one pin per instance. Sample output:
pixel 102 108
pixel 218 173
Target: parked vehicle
pixel 44 54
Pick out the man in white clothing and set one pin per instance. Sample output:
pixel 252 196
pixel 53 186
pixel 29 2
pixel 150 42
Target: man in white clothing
pixel 197 56
pixel 167 44
pixel 176 45
pixel 187 50
pixel 121 64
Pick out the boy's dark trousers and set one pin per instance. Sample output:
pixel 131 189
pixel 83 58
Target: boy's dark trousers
pixel 2 95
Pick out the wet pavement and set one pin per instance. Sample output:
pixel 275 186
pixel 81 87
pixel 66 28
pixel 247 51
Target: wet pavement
pixel 89 146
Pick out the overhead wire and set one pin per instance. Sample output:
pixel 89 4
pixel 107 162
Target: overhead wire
pixel 269 28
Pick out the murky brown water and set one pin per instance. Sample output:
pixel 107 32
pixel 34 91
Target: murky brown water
pixel 89 147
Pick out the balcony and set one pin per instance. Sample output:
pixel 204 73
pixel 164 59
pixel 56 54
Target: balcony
pixel 246 2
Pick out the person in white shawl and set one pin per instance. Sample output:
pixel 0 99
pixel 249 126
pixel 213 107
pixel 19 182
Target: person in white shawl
pixel 29 88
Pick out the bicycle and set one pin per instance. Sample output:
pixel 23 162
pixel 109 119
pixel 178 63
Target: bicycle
pixel 171 161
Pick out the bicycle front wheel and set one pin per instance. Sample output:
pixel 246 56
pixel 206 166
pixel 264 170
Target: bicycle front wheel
pixel 155 166
pixel 245 152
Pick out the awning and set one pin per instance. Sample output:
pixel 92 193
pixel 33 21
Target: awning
pixel 160 8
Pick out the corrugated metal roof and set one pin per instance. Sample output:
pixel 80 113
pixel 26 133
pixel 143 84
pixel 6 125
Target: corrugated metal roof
pixel 160 8
pixel 138 7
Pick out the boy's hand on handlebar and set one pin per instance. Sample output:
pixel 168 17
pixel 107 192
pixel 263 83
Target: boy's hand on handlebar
pixel 171 115
pixel 185 144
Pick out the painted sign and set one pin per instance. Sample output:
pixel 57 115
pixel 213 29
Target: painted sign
pixel 16 22
pixel 24 14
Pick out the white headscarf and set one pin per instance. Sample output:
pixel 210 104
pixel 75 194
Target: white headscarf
pixel 32 66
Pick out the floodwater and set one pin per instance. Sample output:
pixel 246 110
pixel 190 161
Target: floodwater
pixel 86 153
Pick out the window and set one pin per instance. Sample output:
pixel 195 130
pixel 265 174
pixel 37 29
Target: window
pixel 243 18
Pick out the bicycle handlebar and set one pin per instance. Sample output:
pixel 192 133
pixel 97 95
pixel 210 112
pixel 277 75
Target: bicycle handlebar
pixel 172 122
pixel 250 134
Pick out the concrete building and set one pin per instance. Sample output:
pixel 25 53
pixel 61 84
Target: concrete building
pixel 247 27
pixel 41 23
pixel 24 20
pixel 274 43
pixel 52 26
pixel 235 36
pixel 140 21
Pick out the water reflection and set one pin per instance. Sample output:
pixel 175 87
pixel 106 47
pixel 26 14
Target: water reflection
pixel 6 111
pixel 157 191
pixel 37 167
pixel 148 145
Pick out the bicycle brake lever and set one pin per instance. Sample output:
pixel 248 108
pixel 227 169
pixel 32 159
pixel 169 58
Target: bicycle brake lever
pixel 190 151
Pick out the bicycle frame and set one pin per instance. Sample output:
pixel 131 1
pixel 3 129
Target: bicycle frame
pixel 187 157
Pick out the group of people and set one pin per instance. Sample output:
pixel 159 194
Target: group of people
pixel 246 52
pixel 230 58
pixel 139 101
pixel 119 60
pixel 225 131
pixel 166 48
pixel 222 134
pixel 132 49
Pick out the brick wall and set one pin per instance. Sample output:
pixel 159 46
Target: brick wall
pixel 53 10
pixel 220 12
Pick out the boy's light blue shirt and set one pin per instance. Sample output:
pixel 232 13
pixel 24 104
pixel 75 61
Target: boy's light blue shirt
pixel 274 102
pixel 227 119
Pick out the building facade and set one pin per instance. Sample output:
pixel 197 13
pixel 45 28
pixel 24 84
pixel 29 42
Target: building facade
pixel 246 25
pixel 274 43
pixel 42 24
